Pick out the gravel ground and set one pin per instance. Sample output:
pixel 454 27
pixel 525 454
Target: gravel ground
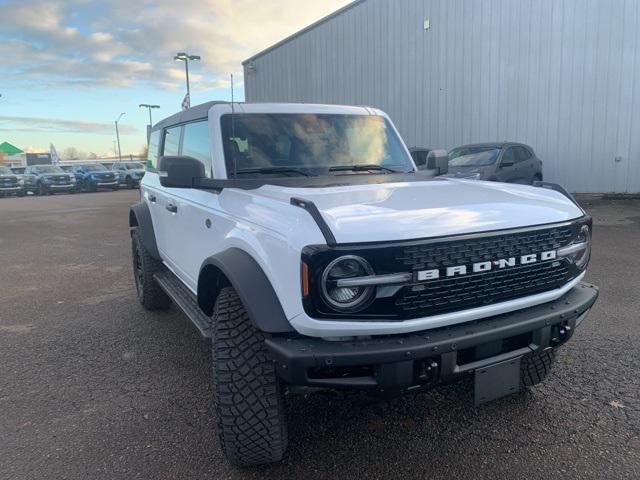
pixel 92 386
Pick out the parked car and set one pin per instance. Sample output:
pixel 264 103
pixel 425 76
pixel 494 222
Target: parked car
pixel 51 179
pixel 10 183
pixel 130 173
pixel 94 176
pixel 303 241
pixel 29 181
pixel 498 162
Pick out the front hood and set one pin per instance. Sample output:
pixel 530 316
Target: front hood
pixel 427 209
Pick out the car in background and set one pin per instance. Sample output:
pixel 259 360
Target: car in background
pixel 28 181
pixel 497 162
pixel 91 177
pixel 51 179
pixel 10 183
pixel 130 173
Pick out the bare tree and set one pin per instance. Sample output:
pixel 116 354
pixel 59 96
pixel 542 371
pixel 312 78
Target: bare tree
pixel 144 153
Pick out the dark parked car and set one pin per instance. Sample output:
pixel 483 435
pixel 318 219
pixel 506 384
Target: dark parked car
pixel 94 176
pixel 10 183
pixel 29 182
pixel 130 173
pixel 51 179
pixel 498 162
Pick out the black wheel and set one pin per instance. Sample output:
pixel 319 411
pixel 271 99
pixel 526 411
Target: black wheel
pixel 89 187
pixel 151 296
pixel 116 188
pixel 130 184
pixel 536 367
pixel 42 190
pixel 20 193
pixel 247 392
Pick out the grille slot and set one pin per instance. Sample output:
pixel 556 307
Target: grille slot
pixel 475 290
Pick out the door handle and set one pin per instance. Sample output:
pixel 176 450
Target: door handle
pixel 153 199
pixel 172 208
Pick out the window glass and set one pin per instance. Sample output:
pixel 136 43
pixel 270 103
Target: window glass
pixel 152 155
pixel 172 141
pixel 509 156
pixel 522 154
pixel 473 156
pixel 313 143
pixel 196 143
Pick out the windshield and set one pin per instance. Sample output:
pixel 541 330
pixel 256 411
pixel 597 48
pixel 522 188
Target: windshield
pixel 473 156
pixel 47 169
pixel 311 144
pixel 134 166
pixel 67 168
pixel 5 171
pixel 93 168
pixel 18 171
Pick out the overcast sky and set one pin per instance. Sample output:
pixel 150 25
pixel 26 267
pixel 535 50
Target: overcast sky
pixel 70 67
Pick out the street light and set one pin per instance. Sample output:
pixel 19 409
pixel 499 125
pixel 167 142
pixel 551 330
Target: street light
pixel 185 57
pixel 149 107
pixel 118 136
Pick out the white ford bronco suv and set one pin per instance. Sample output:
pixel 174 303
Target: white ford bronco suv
pixel 304 242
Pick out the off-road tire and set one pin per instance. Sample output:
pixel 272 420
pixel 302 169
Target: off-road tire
pixel 151 296
pixel 536 367
pixel 247 393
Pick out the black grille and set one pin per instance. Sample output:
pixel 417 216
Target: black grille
pixel 475 290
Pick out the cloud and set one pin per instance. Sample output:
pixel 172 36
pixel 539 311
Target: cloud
pixel 89 43
pixel 54 125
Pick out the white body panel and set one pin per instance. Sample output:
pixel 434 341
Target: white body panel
pixel 264 224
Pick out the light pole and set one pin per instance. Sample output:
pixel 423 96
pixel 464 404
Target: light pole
pixel 149 107
pixel 185 57
pixel 118 136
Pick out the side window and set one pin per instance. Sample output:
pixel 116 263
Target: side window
pixel 509 157
pixel 152 155
pixel 195 143
pixel 172 141
pixel 522 154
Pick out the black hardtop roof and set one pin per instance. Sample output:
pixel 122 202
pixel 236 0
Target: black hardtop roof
pixel 194 113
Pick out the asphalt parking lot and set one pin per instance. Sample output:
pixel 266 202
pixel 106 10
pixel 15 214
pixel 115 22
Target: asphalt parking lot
pixel 94 387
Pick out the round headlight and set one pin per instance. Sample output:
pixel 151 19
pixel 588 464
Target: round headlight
pixel 346 298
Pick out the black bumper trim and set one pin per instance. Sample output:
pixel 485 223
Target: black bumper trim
pixel 294 358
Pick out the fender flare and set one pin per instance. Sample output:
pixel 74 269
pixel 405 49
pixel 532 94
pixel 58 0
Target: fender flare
pixel 248 279
pixel 140 218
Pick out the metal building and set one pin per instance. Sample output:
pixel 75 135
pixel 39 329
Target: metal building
pixel 560 75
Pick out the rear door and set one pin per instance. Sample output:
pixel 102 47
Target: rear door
pixel 526 165
pixel 190 213
pixel 159 198
pixel 508 170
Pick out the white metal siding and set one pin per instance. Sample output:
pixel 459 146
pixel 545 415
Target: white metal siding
pixel 560 75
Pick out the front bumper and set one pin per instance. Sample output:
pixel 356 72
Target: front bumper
pixel 60 188
pixel 10 189
pixel 425 359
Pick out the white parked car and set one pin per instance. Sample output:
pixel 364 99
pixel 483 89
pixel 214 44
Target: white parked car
pixel 305 243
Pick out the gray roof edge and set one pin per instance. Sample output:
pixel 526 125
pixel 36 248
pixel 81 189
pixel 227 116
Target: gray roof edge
pixel 299 33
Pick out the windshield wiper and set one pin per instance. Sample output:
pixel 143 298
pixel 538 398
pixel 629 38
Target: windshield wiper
pixel 363 167
pixel 268 170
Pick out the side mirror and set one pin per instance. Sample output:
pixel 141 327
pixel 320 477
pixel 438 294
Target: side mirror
pixel 179 172
pixel 438 160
